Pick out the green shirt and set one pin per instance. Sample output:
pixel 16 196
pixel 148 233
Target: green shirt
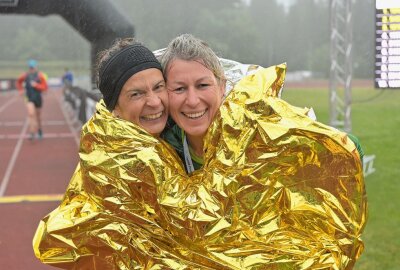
pixel 358 146
pixel 174 135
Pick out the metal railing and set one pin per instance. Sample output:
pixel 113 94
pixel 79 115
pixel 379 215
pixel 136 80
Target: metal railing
pixel 82 102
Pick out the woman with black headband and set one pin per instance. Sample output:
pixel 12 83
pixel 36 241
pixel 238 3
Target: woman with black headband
pixel 113 187
pixel 131 81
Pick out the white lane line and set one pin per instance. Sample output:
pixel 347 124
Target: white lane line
pixel 71 128
pixel 2 108
pixel 44 123
pixel 45 136
pixel 12 124
pixel 11 164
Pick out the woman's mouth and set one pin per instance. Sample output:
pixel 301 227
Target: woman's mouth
pixel 151 117
pixel 195 115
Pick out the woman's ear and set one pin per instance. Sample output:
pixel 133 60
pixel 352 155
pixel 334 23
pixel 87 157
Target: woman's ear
pixel 222 85
pixel 116 112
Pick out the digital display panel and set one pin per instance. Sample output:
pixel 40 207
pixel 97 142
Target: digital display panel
pixel 387 57
pixel 8 3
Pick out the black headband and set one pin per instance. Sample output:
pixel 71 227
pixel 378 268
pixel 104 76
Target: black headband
pixel 120 67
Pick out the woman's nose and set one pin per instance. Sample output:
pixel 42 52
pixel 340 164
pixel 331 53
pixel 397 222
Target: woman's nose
pixel 192 98
pixel 153 99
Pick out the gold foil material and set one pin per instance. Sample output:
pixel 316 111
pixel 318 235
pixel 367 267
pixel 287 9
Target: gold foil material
pixel 277 191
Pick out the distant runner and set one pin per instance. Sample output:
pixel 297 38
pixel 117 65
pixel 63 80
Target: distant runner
pixel 35 83
pixel 67 78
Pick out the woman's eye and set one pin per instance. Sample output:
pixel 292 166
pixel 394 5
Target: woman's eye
pixel 203 85
pixel 136 94
pixel 179 90
pixel 160 87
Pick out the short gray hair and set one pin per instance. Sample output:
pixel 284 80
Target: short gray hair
pixel 189 48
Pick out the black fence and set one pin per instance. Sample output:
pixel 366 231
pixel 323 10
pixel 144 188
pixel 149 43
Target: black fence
pixel 7 84
pixel 82 101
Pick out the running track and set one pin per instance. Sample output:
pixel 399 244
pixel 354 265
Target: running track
pixel 33 174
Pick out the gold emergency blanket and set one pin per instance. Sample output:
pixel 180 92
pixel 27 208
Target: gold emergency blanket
pixel 277 191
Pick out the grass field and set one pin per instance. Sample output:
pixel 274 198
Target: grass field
pixel 376 122
pixel 12 69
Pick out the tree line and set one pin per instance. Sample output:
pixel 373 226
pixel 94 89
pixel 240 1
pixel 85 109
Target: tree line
pixel 258 32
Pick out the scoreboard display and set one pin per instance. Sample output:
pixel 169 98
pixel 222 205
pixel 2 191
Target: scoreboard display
pixel 8 3
pixel 387 57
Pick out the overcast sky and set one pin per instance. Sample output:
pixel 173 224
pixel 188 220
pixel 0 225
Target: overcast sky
pixel 286 2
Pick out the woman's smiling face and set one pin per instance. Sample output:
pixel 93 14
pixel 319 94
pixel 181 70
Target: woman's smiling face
pixel 144 101
pixel 195 96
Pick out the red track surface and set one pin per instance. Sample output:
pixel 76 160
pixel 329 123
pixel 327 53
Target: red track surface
pixel 39 167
